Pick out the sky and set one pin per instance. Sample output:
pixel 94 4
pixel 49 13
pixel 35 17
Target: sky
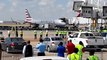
pixel 38 9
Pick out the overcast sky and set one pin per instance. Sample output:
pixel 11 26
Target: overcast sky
pixel 38 9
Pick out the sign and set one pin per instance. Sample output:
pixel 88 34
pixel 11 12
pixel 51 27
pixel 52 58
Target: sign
pixel 77 5
pixel 87 11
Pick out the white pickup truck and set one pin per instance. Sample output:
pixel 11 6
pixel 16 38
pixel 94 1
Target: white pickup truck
pixel 89 40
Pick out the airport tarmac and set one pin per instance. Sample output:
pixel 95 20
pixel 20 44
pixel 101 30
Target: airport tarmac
pixel 28 35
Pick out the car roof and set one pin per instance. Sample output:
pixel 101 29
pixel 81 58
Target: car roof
pixel 44 58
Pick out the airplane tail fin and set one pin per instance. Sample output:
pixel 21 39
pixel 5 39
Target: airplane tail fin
pixel 28 17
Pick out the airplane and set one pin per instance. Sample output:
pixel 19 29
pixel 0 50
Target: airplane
pixel 29 19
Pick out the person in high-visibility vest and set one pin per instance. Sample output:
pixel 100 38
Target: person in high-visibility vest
pixel 65 34
pixel 46 33
pixel 21 34
pixel 8 33
pixel 35 34
pixel 41 34
pixel 92 56
pixel 74 55
pixel 56 33
pixel 59 32
pixel 80 47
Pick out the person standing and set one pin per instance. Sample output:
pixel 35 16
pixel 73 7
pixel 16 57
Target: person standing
pixel 41 34
pixel 74 55
pixel 28 50
pixel 0 51
pixel 21 33
pixel 80 47
pixel 92 56
pixel 8 33
pixel 46 33
pixel 35 34
pixel 56 33
pixel 41 48
pixel 70 47
pixel 61 49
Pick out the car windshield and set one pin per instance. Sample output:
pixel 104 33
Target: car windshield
pixel 56 38
pixel 16 39
pixel 103 34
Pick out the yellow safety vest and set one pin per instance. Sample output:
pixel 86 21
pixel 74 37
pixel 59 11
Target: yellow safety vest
pixel 46 32
pixel 35 32
pixel 56 32
pixel 80 47
pixel 73 56
pixel 41 33
pixel 93 57
pixel 21 32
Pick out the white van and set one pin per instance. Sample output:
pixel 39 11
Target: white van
pixel 89 40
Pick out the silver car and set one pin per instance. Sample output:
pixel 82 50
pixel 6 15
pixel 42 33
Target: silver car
pixel 52 43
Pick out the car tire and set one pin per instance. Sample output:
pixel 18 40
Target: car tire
pixel 7 49
pixel 48 49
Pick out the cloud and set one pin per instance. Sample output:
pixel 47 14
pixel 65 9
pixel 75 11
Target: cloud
pixel 2 6
pixel 14 3
pixel 69 6
pixel 46 2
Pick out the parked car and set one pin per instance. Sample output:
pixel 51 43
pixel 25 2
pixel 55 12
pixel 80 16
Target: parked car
pixel 104 35
pixel 52 43
pixel 89 40
pixel 13 44
pixel 44 58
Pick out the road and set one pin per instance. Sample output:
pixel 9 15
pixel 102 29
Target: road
pixel 16 56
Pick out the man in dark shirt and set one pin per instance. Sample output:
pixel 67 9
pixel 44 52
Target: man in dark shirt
pixel 27 50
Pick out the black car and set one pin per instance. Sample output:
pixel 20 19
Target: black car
pixel 13 44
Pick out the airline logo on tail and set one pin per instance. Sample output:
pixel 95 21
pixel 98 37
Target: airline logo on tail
pixel 28 17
